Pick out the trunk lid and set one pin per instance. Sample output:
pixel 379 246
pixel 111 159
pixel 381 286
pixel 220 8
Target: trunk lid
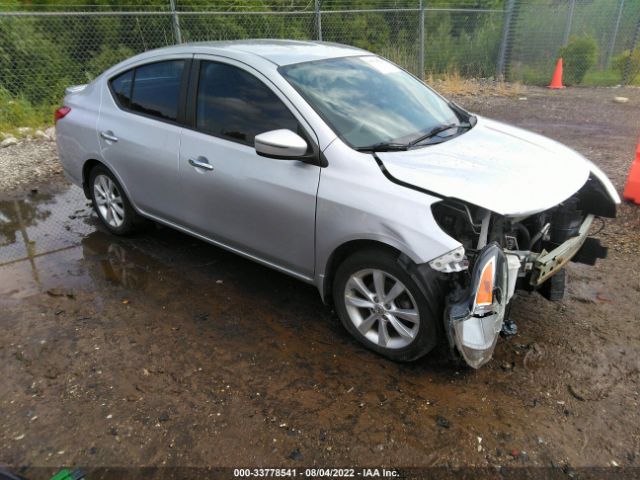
pixel 75 89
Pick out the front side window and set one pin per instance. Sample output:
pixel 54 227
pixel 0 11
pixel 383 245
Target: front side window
pixel 368 100
pixel 234 104
pixel 156 89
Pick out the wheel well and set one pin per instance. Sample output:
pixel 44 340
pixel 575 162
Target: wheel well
pixel 86 171
pixel 345 250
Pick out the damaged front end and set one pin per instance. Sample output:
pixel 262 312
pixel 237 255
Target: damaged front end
pixel 499 255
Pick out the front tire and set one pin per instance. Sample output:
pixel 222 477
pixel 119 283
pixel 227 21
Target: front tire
pixel 111 203
pixel 380 302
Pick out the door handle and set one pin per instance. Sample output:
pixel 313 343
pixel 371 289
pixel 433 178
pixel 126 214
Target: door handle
pixel 109 136
pixel 200 162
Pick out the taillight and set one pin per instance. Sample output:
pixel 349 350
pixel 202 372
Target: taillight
pixel 61 113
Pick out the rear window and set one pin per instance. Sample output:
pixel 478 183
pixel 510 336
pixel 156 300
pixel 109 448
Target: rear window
pixel 152 89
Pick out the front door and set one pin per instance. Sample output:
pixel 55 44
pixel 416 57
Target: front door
pixel 260 206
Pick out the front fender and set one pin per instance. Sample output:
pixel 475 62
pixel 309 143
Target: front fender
pixel 356 201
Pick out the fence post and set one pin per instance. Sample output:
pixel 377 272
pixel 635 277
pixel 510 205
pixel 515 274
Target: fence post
pixel 421 40
pixel 567 28
pixel 614 36
pixel 504 43
pixel 634 44
pixel 318 20
pixel 176 22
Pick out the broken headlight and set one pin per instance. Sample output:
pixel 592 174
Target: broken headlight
pixel 476 320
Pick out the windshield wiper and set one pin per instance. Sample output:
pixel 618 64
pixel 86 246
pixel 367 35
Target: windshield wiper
pixel 384 147
pixel 439 129
pixel 399 147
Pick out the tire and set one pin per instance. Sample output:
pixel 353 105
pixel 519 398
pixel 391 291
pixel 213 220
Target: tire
pixel 422 296
pixel 115 212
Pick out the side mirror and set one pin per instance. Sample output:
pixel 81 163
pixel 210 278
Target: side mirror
pixel 283 144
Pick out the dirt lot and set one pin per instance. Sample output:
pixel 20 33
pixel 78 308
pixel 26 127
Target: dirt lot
pixel 160 350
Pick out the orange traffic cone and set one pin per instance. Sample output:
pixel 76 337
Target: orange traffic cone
pixel 556 81
pixel 632 189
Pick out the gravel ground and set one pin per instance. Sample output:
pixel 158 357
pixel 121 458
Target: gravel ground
pixel 29 163
pixel 160 350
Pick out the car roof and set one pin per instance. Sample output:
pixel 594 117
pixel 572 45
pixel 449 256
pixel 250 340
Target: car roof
pixel 279 52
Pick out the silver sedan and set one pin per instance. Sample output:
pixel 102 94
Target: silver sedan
pixel 417 219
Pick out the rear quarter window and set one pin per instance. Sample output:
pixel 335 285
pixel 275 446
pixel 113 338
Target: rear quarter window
pixel 121 88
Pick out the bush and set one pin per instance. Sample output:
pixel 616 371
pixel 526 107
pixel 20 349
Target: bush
pixel 620 64
pixel 578 57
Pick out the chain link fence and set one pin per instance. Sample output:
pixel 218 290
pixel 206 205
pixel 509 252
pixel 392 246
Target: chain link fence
pixel 44 48
pixel 594 37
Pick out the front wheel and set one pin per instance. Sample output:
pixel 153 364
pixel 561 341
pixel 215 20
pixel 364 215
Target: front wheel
pixel 381 304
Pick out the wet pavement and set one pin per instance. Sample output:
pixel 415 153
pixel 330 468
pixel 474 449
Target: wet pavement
pixel 160 349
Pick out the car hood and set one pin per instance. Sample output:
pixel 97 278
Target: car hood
pixel 504 169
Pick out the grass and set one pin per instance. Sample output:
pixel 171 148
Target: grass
pixel 18 112
pixel 607 78
pixel 602 78
pixel 454 84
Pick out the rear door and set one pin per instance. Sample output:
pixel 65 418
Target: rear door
pixel 260 206
pixel 139 132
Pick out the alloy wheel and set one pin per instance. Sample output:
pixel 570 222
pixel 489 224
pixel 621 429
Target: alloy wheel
pixel 108 201
pixel 381 308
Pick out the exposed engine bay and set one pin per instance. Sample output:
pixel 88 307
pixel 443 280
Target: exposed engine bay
pixel 500 255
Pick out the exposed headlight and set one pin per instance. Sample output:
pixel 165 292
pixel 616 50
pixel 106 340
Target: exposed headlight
pixel 476 321
pixel 452 261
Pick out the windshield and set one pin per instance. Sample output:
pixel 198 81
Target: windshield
pixel 369 101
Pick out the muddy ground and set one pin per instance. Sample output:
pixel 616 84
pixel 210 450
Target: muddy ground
pixel 161 350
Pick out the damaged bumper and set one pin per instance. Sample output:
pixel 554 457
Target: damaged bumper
pixel 546 264
pixel 475 315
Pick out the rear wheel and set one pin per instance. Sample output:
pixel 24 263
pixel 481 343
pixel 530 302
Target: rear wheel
pixel 111 203
pixel 380 302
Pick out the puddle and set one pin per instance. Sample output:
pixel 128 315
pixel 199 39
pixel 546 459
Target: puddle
pixel 40 237
pixel 50 241
pixel 41 224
